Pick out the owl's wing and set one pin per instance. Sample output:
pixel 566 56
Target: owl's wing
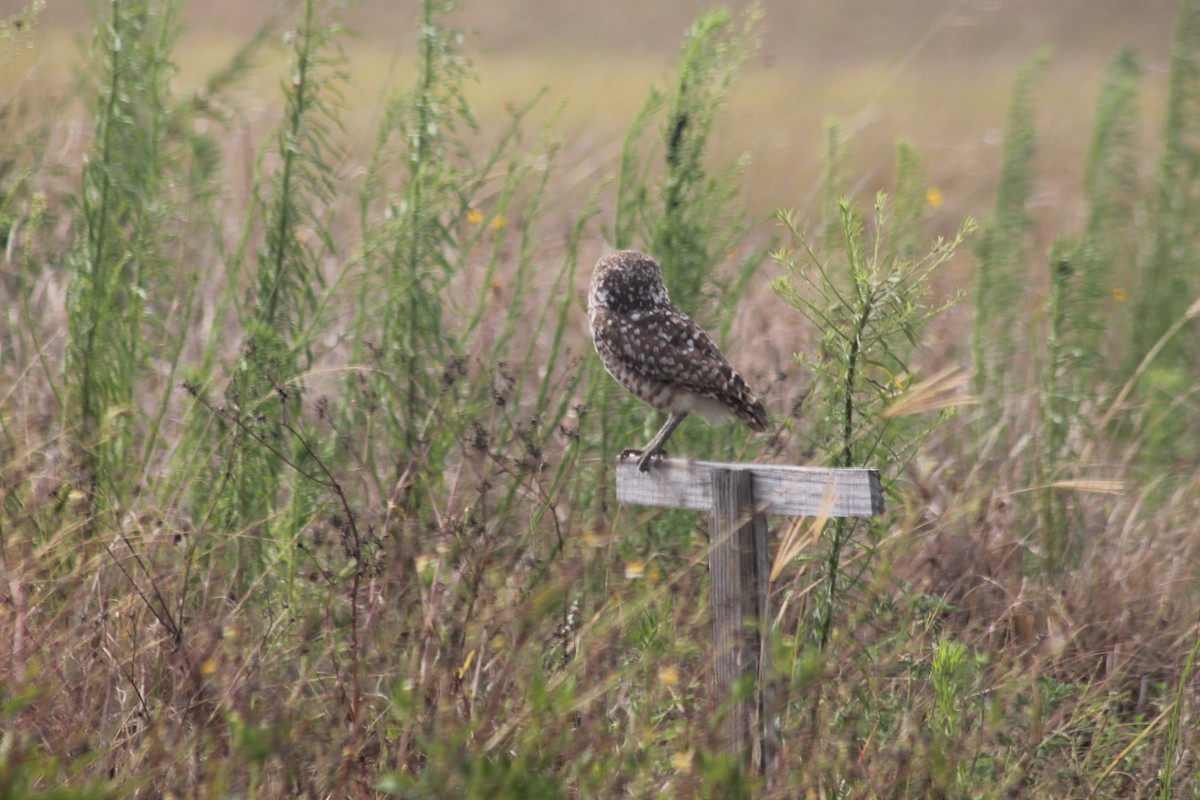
pixel 661 350
pixel 667 346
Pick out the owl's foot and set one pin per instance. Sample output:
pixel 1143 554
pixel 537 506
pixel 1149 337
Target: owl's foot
pixel 644 457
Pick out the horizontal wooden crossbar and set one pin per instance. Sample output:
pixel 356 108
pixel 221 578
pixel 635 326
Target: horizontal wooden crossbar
pixel 778 490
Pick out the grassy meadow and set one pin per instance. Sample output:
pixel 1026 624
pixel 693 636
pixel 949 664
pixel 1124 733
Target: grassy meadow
pixel 306 461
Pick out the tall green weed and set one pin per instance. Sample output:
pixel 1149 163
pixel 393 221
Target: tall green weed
pixel 1001 252
pixel 674 204
pixel 870 305
pixel 119 291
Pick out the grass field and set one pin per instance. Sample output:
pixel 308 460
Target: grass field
pixel 306 459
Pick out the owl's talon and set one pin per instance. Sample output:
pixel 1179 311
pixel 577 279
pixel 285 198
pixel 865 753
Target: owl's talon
pixel 644 459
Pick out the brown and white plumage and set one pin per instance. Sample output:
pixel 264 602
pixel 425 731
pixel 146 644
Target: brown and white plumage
pixel 656 352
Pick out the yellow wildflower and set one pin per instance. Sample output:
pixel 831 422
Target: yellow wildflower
pixel 669 675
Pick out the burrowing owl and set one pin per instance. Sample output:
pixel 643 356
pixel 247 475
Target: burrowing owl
pixel 658 354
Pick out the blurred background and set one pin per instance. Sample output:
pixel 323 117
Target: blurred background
pixel 939 73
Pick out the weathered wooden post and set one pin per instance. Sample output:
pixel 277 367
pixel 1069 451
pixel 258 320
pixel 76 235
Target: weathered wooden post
pixel 739 497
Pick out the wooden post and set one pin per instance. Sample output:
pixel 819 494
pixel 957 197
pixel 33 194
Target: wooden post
pixel 738 498
pixel 739 565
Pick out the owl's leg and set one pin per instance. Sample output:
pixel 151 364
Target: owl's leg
pixel 655 448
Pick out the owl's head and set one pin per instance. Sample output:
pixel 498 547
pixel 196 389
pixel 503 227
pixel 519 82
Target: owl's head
pixel 627 281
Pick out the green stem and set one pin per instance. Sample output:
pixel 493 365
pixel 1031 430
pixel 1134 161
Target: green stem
pixel 847 460
pixel 419 157
pixel 295 124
